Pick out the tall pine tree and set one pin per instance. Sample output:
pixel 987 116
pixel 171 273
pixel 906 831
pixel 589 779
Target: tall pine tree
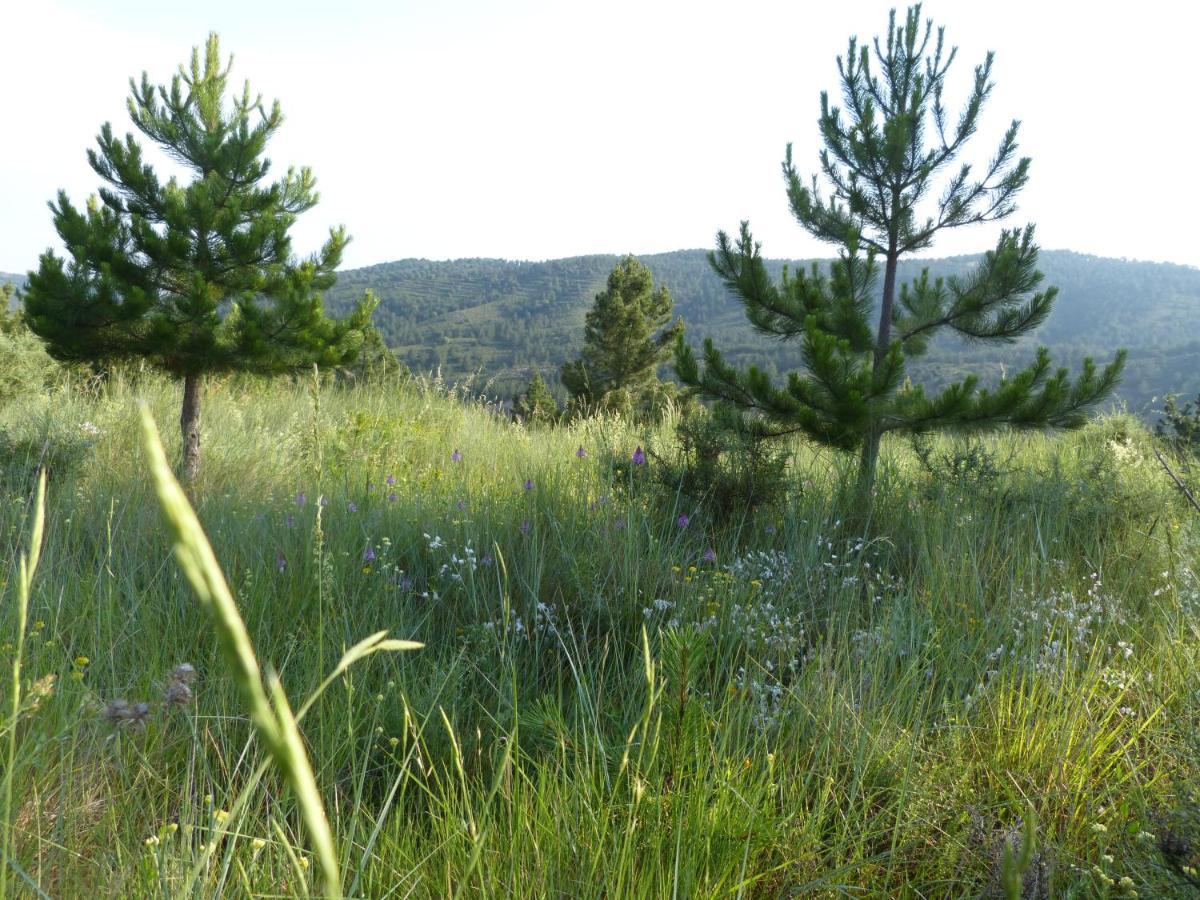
pixel 628 334
pixel 881 160
pixel 195 276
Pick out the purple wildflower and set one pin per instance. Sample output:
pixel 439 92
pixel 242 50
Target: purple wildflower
pixel 639 456
pixel 290 521
pixel 525 526
pixel 352 507
pixel 392 497
pixel 280 562
pixel 301 499
pixel 581 453
pixel 528 484
pixel 369 554
pixel 486 560
pixel 460 505
pixel 322 501
pixel 683 520
pixel 455 456
pixel 391 481
pixel 710 555
pixel 618 524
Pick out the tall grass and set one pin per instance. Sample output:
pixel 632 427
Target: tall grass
pixel 994 684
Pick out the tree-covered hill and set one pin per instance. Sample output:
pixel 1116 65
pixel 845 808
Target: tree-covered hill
pixel 502 319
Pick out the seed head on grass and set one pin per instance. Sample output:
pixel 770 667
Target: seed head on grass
pixel 267 703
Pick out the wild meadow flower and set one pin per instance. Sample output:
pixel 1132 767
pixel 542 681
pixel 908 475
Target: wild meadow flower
pixel 528 485
pixel 392 497
pixel 456 456
pixel 525 526
pixel 368 554
pixel 683 520
pixel 581 453
pixel 323 501
pixel 177 694
pixel 391 481
pixel 352 507
pixel 290 521
pixel 639 456
pixel 710 555
pixel 281 562
pixel 486 560
pixel 125 714
pixel 301 499
pixel 460 505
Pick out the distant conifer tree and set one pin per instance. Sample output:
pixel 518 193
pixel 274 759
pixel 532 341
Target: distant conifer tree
pixel 195 276
pixel 628 333
pixel 536 405
pixel 880 160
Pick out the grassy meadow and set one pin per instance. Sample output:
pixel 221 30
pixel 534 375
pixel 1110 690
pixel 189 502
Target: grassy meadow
pixel 617 696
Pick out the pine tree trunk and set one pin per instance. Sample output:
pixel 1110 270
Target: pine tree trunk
pixel 869 458
pixel 189 426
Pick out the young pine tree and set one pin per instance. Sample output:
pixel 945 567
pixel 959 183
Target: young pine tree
pixel 628 333
pixel 882 159
pixel 536 405
pixel 195 276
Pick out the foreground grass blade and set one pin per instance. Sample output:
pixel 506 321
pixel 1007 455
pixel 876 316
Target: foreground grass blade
pixel 269 708
pixel 25 570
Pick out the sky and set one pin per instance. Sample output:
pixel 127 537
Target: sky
pixel 536 130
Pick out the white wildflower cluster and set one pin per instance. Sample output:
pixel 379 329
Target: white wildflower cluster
pixel 544 624
pixel 1126 453
pixel 458 566
pixel 864 643
pixel 659 608
pixel 766 566
pixel 89 429
pixel 1060 629
pixel 775 641
pixel 1188 589
pixel 766 696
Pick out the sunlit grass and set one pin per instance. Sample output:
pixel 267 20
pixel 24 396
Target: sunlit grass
pixel 608 702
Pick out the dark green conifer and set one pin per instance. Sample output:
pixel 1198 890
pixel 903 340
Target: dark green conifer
pixel 536 406
pixel 195 275
pixel 628 334
pixel 882 158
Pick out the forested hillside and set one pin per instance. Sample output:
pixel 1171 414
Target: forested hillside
pixel 502 319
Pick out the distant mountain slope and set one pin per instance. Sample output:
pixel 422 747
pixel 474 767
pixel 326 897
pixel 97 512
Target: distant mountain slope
pixel 504 318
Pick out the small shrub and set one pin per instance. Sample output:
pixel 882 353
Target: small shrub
pixel 966 467
pixel 1180 424
pixel 724 466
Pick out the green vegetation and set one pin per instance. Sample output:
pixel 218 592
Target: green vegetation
pixel 499 318
pixel 627 335
pixel 882 161
pixel 536 405
pixel 199 277
pixel 659 655
pixel 617 695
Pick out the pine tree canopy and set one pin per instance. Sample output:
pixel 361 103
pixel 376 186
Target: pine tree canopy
pixel 536 405
pixel 195 273
pixel 623 343
pixel 880 161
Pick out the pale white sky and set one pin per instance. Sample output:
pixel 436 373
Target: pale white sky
pixel 532 130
